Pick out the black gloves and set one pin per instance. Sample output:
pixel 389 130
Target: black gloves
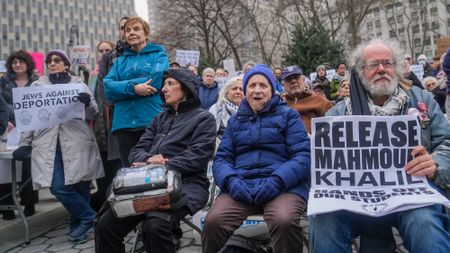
pixel 22 153
pixel 84 98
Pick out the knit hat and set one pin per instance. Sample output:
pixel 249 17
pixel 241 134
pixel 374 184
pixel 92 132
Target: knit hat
pixel 263 70
pixel 321 67
pixel 59 53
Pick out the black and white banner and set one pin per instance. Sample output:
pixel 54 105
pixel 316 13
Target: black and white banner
pixel 357 164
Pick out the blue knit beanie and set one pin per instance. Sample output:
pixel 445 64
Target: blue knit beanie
pixel 263 70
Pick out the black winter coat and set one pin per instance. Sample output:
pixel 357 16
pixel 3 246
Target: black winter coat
pixel 6 85
pixel 187 138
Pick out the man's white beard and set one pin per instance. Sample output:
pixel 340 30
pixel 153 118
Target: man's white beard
pixel 380 89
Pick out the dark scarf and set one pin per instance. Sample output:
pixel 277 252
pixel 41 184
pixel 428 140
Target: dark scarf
pixel 62 77
pixel 358 96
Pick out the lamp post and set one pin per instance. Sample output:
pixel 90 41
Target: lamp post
pixel 72 33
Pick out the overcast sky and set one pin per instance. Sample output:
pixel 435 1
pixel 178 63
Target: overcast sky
pixel 141 8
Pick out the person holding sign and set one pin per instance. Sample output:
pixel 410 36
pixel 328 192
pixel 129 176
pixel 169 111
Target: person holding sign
pixel 65 157
pixel 133 85
pixel 261 166
pixel 380 93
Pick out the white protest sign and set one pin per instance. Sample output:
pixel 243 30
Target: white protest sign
pixel 186 57
pixel 38 107
pixel 228 65
pixel 418 71
pixel 79 54
pixel 330 74
pixel 357 164
pixel 3 66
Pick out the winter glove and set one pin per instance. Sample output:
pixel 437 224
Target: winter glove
pixel 238 190
pixel 269 190
pixel 84 98
pixel 22 153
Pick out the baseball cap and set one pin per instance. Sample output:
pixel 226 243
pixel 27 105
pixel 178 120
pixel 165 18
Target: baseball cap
pixel 291 70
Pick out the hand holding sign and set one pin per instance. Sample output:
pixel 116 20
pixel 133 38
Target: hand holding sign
pixel 422 164
pixel 145 89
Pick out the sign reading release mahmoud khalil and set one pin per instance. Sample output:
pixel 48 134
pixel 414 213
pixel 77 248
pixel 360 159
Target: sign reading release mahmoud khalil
pixel 38 107
pixel 357 164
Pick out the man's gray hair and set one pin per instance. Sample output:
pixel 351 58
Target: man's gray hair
pixel 357 57
pixel 208 70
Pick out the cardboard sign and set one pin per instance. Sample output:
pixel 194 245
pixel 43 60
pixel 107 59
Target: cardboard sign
pixel 186 57
pixel 79 54
pixel 330 74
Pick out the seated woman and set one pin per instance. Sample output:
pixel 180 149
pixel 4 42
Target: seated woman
pixel 182 137
pixel 261 166
pixel 230 98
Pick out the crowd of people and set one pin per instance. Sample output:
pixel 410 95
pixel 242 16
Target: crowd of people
pixel 254 126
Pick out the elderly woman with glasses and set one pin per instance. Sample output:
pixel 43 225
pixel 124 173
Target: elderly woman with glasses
pixel 65 157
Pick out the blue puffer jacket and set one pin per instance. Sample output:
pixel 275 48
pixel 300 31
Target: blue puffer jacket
pixel 435 136
pixel 271 142
pixel 130 109
pixel 208 95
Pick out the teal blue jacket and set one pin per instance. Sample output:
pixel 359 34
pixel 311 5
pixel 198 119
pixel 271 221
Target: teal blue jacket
pixel 132 111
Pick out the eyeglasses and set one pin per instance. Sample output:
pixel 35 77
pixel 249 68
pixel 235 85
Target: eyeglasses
pixel 387 63
pixel 56 60
pixel 431 84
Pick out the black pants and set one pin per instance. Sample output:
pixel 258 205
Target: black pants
pixel 157 231
pixel 111 168
pixel 28 197
pixel 127 139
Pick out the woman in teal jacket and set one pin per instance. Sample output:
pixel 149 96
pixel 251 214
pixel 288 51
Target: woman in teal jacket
pixel 133 85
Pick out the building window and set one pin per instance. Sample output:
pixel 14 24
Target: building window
pixel 377 23
pixel 416 29
pixel 369 26
pixel 417 42
pixel 433 11
pixel 427 41
pixel 392 34
pixel 435 25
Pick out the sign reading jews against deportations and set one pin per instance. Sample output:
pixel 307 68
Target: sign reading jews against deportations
pixel 38 107
pixel 357 164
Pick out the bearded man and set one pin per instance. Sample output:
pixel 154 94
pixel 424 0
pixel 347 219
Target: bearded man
pixel 380 92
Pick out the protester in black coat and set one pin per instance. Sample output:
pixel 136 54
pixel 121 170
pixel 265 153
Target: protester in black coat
pixel 183 138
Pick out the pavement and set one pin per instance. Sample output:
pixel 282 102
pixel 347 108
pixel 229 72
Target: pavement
pixel 49 232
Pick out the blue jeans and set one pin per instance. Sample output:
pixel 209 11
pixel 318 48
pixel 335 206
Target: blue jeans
pixel 423 230
pixel 75 198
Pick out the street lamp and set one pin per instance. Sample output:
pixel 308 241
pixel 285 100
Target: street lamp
pixel 73 32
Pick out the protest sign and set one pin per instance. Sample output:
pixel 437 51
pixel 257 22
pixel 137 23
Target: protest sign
pixel 186 57
pixel 418 71
pixel 330 74
pixel 357 164
pixel 79 54
pixel 38 59
pixel 228 65
pixel 3 66
pixel 39 107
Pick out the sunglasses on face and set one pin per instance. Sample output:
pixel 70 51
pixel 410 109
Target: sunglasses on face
pixel 56 60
